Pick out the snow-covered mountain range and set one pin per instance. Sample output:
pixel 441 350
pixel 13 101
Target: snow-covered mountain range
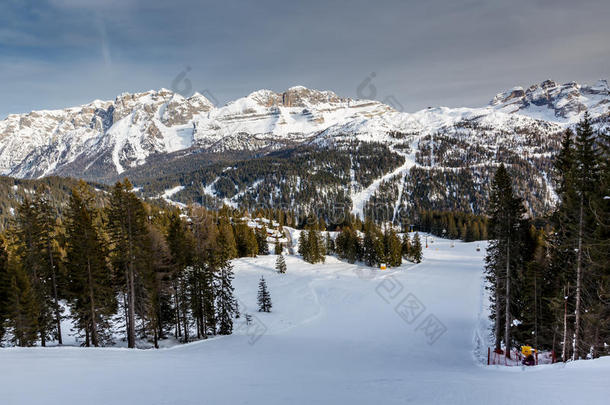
pixel 103 138
pixel 302 147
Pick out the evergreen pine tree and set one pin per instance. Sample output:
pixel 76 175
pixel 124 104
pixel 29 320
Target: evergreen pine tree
pixel 245 239
pixel 46 242
pixel 586 184
pixel 226 240
pixel 406 246
pixel 128 233
pixel 208 258
pixel 261 240
pixel 330 244
pixel 562 240
pixel 316 248
pixel 278 246
pixel 504 253
pixel 156 303
pixel 598 314
pixel 181 246
pixel 264 299
pixel 476 230
pixel 92 298
pixel 21 309
pixel 392 248
pixel 280 264
pixel 348 245
pixel 464 232
pixel 4 286
pixel 372 244
pixel 416 249
pixel 226 305
pixel 32 259
pixel 452 231
pixel 304 246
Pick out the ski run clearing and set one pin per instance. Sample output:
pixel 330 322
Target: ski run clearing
pixel 337 334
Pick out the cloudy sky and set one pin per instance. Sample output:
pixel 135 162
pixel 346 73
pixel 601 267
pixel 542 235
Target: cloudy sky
pixel 58 53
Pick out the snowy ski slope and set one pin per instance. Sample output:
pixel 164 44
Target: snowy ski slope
pixel 338 334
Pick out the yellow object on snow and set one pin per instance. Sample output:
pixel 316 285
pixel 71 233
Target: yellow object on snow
pixel 527 350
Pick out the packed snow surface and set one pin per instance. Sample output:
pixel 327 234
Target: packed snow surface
pixel 335 336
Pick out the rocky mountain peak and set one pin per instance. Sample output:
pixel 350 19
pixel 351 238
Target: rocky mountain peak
pixel 565 101
pixel 296 96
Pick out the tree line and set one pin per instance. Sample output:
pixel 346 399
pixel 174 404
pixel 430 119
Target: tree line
pixel 550 286
pixel 453 225
pixel 375 246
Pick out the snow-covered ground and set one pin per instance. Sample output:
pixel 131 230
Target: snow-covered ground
pixel 338 334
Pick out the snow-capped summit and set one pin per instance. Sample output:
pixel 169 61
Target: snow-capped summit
pixel 100 137
pixel 296 96
pixel 104 138
pixel 566 101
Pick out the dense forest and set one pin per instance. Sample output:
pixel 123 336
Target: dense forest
pixel 56 189
pixel 123 262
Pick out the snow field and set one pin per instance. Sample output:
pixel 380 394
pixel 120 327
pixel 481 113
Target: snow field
pixel 337 334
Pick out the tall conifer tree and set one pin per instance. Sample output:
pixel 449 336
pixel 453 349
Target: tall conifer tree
pixel 263 298
pixel 127 225
pixel 90 284
pixel 504 252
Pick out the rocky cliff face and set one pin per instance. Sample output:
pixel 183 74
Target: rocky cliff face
pixel 566 101
pixel 99 136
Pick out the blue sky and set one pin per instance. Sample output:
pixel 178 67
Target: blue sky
pixel 59 53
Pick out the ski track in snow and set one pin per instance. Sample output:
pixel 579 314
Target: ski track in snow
pixel 360 198
pixel 409 159
pixel 334 336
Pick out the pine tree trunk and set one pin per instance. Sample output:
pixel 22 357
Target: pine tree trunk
pixel 94 338
pixel 158 325
pixel 554 339
pixel 507 302
pixel 178 330
pixel 535 308
pixel 185 325
pixel 131 331
pixel 198 326
pixel 498 316
pixel 131 337
pixel 19 323
pixel 125 309
pixel 564 354
pixel 43 334
pixel 596 343
pixel 575 350
pixel 54 281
